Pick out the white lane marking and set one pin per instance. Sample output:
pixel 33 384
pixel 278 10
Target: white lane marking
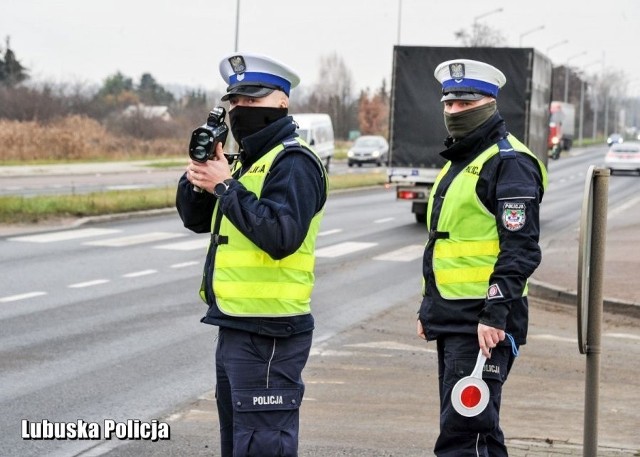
pixel 99 450
pixel 329 232
pixel 383 220
pixel 544 336
pixel 137 274
pixel 64 235
pixel 548 337
pixel 95 282
pixel 184 264
pixel 611 213
pixel 21 296
pixel 391 345
pixel 405 254
pixel 627 336
pixel 340 249
pixel 134 239
pixel 200 243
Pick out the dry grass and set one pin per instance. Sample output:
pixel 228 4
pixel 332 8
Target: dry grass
pixel 79 138
pixel 75 138
pixel 30 210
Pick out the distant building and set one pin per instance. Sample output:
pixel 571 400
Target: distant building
pixel 147 111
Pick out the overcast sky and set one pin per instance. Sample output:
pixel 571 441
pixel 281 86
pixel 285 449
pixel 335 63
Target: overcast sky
pixel 182 41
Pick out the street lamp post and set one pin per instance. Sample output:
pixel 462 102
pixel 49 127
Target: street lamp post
pixel 581 120
pixel 566 75
pixel 528 32
pixel 237 24
pixel 399 19
pixel 497 10
pixel 559 43
pixel 480 16
pixel 581 111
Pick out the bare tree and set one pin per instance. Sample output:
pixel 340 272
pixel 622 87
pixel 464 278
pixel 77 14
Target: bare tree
pixel 333 94
pixel 480 35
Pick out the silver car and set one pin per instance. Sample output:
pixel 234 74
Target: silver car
pixel 623 156
pixel 368 149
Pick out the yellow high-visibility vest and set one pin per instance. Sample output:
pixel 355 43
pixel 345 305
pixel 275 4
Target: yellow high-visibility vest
pixel 463 262
pixel 246 280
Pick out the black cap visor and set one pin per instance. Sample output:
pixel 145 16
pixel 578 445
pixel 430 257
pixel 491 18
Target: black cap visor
pixel 249 90
pixel 463 96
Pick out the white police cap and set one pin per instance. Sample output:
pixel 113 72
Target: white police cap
pixel 256 75
pixel 464 79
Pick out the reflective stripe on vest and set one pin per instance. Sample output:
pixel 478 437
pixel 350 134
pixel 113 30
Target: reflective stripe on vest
pixel 246 280
pixel 463 262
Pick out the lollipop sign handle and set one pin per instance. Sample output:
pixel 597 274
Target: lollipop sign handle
pixel 477 370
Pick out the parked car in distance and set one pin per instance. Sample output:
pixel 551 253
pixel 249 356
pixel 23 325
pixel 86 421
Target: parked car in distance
pixel 614 138
pixel 368 149
pixel 623 157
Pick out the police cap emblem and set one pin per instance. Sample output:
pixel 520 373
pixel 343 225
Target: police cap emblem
pixel 237 64
pixel 456 70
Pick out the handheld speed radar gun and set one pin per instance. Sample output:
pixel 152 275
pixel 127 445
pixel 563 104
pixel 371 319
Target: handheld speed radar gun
pixel 205 138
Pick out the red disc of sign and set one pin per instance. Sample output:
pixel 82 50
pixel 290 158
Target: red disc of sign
pixel 470 395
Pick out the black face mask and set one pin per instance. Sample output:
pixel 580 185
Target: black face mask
pixel 247 120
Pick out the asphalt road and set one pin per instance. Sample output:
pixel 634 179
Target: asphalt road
pixel 101 321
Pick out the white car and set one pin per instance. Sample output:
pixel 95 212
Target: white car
pixel 623 156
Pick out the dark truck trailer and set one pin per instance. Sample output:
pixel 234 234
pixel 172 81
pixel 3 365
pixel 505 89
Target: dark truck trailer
pixel 416 127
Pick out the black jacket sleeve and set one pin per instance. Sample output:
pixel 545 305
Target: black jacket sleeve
pixel 195 208
pixel 514 191
pixel 293 192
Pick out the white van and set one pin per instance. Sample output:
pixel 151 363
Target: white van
pixel 317 130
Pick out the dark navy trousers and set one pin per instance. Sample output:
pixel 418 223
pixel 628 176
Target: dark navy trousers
pixel 481 435
pixel 259 389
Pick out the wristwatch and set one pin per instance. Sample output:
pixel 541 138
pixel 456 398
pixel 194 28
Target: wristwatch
pixel 221 187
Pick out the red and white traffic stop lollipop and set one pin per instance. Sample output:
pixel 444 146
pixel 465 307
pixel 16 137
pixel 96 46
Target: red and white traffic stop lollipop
pixel 470 395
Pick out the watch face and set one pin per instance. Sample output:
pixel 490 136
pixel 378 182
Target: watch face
pixel 219 189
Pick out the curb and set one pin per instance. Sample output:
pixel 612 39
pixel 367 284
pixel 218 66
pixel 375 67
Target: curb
pixel 557 294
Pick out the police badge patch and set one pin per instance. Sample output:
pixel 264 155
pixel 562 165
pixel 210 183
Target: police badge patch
pixel 514 216
pixel 494 292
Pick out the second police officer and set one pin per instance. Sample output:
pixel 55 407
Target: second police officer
pixel 483 222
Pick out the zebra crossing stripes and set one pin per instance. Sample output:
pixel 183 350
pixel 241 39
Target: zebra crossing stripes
pixel 64 235
pixel 340 249
pixel 135 239
pixel 189 245
pixel 403 254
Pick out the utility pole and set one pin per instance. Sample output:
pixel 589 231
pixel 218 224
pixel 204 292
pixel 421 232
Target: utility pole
pixel 235 48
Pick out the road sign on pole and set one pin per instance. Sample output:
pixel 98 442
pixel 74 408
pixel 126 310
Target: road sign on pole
pixel 591 253
pixel 470 395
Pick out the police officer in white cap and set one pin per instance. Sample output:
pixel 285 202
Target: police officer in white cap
pixel 264 216
pixel 483 222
